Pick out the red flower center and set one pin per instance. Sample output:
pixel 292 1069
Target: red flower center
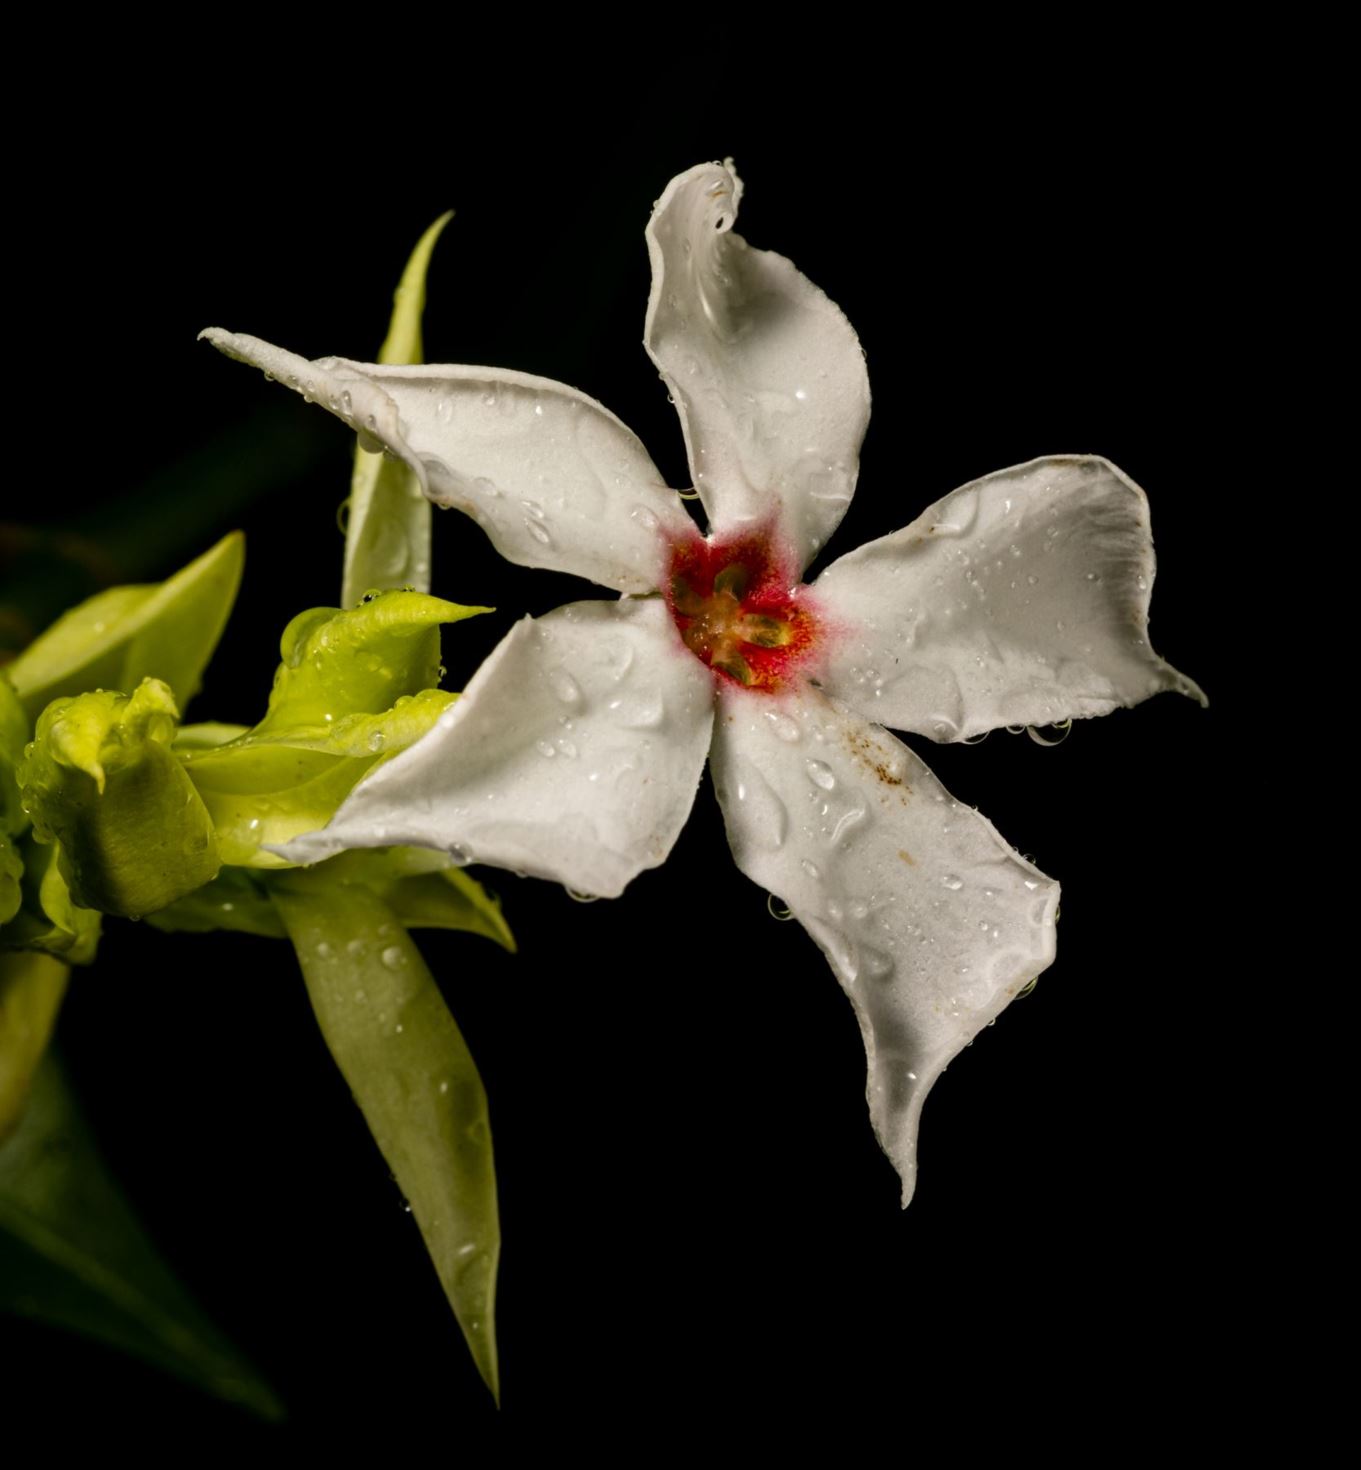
pixel 741 609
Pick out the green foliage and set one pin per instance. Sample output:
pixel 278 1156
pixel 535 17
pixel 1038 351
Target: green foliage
pixel 72 1254
pixel 410 1071
pixel 387 536
pixel 121 636
pixel 100 779
pixel 353 689
pixel 48 919
pixel 31 989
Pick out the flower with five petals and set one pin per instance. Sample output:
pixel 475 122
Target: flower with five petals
pixel 576 750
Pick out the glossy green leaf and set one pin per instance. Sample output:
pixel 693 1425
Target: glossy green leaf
pixel 48 920
pixel 125 634
pixel 11 879
pixel 387 537
pixel 359 661
pixel 354 688
pixel 207 736
pixel 31 989
pixel 270 786
pixel 411 1073
pixel 236 900
pixel 72 1254
pixel 100 779
pixel 14 728
pixel 423 888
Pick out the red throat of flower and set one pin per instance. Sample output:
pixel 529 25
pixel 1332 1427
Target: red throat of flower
pixel 740 608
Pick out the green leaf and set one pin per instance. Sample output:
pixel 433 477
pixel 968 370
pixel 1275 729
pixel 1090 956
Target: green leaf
pixel 14 728
pixel 412 1075
pixel 354 688
pixel 125 634
pixel 387 538
pixel 207 736
pixel 359 661
pixel 271 786
pixel 47 919
pixel 11 880
pixel 73 1254
pixel 31 989
pixel 236 900
pixel 101 780
pixel 424 889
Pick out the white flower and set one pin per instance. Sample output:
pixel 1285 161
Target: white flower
pixel 576 750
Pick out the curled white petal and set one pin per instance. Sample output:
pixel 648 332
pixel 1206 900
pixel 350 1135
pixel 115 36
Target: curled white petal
pixel 574 755
pixel 767 374
pixel 930 921
pixel 553 477
pixel 1020 599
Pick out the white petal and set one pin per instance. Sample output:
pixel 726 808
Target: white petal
pixel 766 372
pixel 1020 599
pixel 553 477
pixel 930 921
pixel 573 754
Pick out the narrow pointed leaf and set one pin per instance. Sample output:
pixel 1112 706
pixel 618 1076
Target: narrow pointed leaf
pixel 424 889
pixel 31 989
pixel 125 634
pixel 353 689
pixel 72 1254
pixel 387 538
pixel 360 661
pixel 412 1075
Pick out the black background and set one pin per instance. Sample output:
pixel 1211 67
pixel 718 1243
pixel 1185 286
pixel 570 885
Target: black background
pixel 697 1221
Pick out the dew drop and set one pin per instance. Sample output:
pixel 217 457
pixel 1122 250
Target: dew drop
pixel 820 774
pixel 1063 729
pixel 324 950
pixel 564 686
pixel 778 909
pixel 953 883
pixel 643 710
pixel 785 729
pixel 393 959
pixel 376 741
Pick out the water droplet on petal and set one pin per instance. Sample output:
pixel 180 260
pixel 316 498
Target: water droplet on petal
pixel 953 883
pixel 564 686
pixel 785 729
pixel 393 959
pixel 820 774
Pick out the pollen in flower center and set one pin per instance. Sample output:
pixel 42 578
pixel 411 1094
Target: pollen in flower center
pixel 740 608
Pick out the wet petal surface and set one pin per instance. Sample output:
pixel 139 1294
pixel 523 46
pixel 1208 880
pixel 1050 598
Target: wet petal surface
pixel 766 372
pixel 930 921
pixel 552 477
pixel 1020 599
pixel 573 755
